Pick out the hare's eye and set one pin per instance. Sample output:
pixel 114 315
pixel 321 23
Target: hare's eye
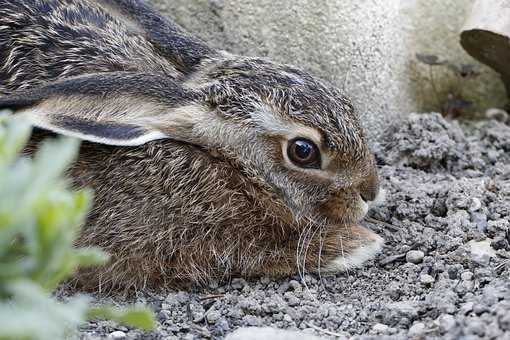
pixel 304 153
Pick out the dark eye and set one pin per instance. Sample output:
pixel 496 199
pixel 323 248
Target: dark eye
pixel 304 153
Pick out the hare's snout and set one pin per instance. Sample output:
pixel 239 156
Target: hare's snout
pixel 352 244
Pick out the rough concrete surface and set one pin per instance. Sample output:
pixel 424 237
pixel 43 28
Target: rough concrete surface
pixel 444 272
pixel 366 48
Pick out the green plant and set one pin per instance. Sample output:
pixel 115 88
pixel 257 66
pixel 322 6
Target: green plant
pixel 453 103
pixel 40 219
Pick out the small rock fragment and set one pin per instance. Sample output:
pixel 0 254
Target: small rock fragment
pixel 415 256
pixel 254 333
pixel 481 252
pixel 475 204
pixel 117 335
pixel 213 316
pixel 380 328
pixel 426 279
pixel 446 323
pixel 417 329
pixel 497 114
pixel 466 276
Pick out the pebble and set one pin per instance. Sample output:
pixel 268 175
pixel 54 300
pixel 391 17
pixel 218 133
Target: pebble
pixel 446 323
pixel 497 114
pixel 467 307
pixel 417 329
pixel 466 276
pixel 117 335
pixel 415 256
pixel 213 316
pixel 481 252
pixel 426 279
pixel 380 328
pixel 252 320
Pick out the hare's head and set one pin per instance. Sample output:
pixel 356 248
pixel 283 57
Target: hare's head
pixel 297 133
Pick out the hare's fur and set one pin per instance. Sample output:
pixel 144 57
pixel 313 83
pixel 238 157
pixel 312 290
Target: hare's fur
pixel 184 146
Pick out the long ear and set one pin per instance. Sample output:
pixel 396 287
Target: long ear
pixel 119 108
pixel 173 42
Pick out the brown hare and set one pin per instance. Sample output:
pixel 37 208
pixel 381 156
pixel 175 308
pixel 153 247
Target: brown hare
pixel 204 164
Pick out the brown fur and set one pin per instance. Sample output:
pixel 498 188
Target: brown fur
pixel 215 197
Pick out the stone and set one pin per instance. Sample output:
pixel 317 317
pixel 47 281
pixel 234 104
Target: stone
pixel 446 323
pixel 417 329
pixel 415 256
pixel 380 328
pixel 251 333
pixel 466 276
pixel 481 252
pixel 426 279
pixel 213 316
pixel 497 114
pixel 117 335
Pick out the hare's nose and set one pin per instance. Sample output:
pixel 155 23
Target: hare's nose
pixel 369 193
pixel 369 188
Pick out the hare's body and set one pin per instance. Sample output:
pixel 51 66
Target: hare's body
pixel 203 164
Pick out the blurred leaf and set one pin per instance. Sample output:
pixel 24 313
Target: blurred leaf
pixel 40 219
pixel 138 316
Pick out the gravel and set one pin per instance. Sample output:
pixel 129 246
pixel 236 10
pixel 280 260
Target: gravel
pixel 444 272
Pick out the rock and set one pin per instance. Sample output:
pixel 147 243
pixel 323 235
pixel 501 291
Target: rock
pixel 398 312
pixel 269 333
pixel 481 252
pixel 417 330
pixel 117 335
pixel 380 328
pixel 497 114
pixel 466 276
pixel 252 320
pixel 213 316
pixel 238 283
pixel 426 279
pixel 295 285
pixel 475 204
pixel 446 323
pixel 415 256
pixel 467 307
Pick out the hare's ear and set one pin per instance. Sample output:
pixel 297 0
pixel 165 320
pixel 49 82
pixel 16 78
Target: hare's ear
pixel 111 108
pixel 184 50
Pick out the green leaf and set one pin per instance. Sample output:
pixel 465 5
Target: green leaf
pixel 40 220
pixel 137 316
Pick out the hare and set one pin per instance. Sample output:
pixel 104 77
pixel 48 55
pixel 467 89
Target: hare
pixel 205 165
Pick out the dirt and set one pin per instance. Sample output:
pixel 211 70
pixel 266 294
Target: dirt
pixel 444 272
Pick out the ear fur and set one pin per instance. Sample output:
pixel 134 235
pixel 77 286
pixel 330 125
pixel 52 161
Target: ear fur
pixel 184 50
pixel 120 108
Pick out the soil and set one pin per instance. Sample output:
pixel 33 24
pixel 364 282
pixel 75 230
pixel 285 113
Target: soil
pixel 444 272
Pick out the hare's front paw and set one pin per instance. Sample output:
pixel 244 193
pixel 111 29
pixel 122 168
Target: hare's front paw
pixel 361 246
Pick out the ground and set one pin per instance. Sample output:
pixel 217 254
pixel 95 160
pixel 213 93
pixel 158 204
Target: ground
pixel 444 271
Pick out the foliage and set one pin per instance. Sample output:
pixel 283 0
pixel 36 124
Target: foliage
pixel 454 103
pixel 40 219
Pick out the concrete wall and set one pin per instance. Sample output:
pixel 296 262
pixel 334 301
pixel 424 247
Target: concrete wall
pixel 365 47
